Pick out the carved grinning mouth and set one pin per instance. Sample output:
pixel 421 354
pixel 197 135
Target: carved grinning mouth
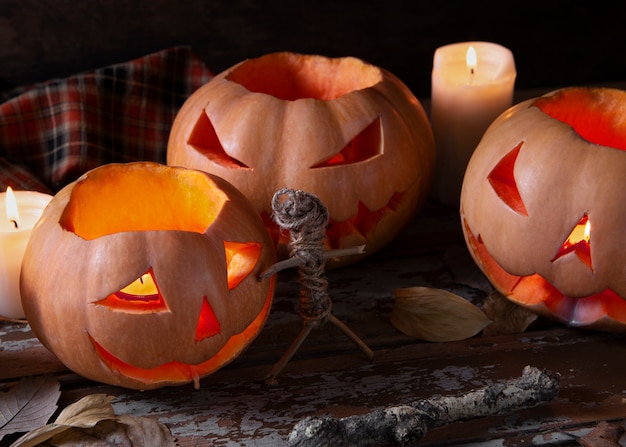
pixel 363 223
pixel 173 371
pixel 178 372
pixel 534 290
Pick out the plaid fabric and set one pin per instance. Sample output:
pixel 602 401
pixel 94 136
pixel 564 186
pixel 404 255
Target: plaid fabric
pixel 55 131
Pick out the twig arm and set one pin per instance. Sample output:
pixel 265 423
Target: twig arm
pixel 295 262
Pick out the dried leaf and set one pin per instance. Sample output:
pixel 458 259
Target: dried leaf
pixel 127 431
pixel 103 434
pixel 435 315
pixel 86 412
pixel 507 317
pixel 147 431
pixel 28 404
pixel 603 435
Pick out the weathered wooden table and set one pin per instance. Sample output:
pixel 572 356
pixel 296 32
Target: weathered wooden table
pixel 329 375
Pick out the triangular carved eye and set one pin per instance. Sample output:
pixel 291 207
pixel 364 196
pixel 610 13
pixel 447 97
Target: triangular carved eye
pixel 364 146
pixel 578 242
pixel 204 138
pixel 241 257
pixel 502 181
pixel 140 296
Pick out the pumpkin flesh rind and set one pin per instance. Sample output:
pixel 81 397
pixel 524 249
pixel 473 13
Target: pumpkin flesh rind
pixel 285 137
pixel 95 206
pixel 63 306
pixel 562 177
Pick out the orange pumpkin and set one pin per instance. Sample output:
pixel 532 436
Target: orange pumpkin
pixel 543 206
pixel 347 131
pixel 144 275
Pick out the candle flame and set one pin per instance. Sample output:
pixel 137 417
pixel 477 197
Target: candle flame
pixel 11 205
pixel 470 59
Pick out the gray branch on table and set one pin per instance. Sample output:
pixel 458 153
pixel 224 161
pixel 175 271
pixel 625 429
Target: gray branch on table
pixel 405 425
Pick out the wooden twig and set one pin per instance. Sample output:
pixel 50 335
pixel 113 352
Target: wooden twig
pixel 13 320
pixel 405 425
pixel 306 217
pixel 295 262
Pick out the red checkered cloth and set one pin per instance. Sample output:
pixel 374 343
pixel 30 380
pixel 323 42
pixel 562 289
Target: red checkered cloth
pixel 53 132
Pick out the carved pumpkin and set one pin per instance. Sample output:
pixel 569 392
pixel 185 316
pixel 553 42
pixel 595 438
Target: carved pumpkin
pixel 543 206
pixel 144 275
pixel 349 132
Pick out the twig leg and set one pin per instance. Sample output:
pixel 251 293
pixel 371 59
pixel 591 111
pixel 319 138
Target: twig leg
pixel 270 379
pixel 352 336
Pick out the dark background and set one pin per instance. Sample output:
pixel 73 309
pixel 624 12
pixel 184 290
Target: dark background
pixel 555 43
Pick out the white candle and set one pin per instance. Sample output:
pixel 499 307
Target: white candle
pixel 15 230
pixel 472 84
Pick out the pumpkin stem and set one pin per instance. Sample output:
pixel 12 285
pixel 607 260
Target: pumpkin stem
pixel 306 217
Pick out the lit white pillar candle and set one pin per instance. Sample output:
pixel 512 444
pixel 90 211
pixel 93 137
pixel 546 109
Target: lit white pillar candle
pixel 472 84
pixel 19 211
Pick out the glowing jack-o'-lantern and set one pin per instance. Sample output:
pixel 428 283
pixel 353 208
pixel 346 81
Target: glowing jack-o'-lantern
pixel 144 275
pixel 349 132
pixel 543 206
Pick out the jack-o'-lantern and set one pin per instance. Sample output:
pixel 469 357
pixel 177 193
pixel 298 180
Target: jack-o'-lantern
pixel 143 275
pixel 347 131
pixel 543 206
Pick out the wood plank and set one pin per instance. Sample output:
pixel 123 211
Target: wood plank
pixel 328 375
pixel 236 407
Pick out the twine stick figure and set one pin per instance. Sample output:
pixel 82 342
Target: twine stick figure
pixel 306 217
